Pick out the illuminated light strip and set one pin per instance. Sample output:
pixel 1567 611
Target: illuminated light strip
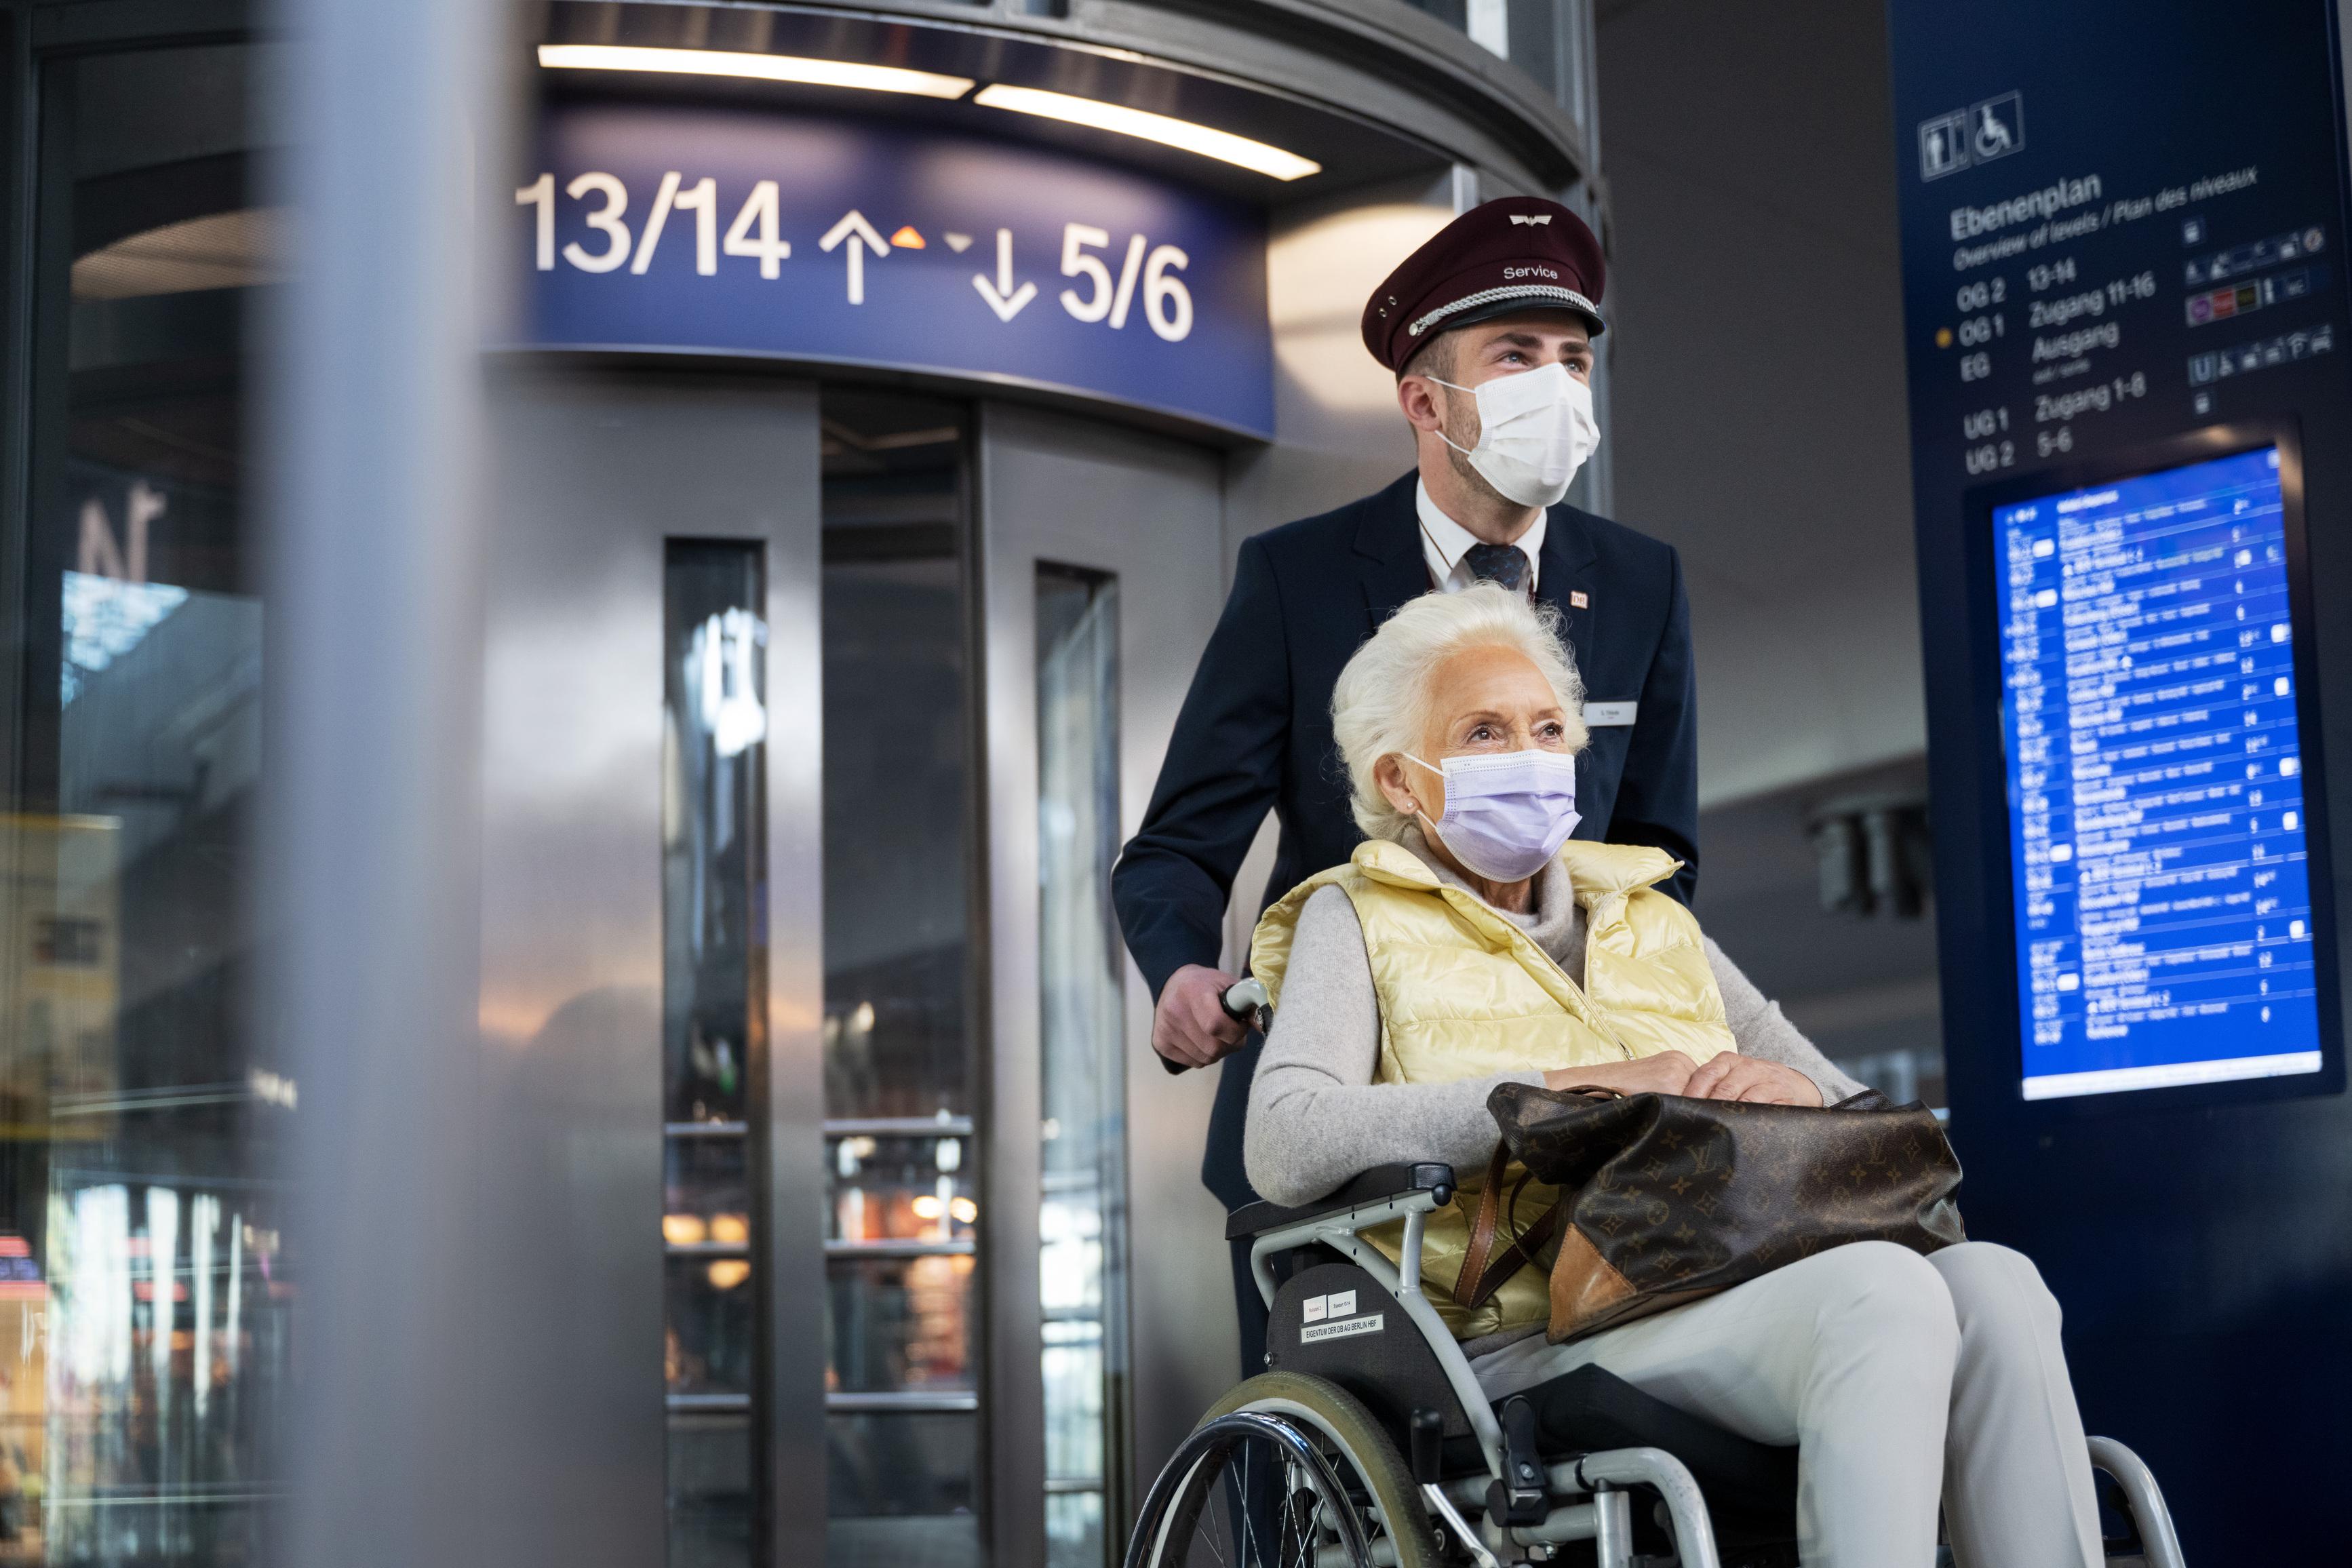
pixel 1166 129
pixel 763 68
pixel 2165 1075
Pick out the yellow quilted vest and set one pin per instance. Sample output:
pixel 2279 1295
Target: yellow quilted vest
pixel 1463 993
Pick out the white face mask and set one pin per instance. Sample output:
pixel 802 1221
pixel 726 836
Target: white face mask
pixel 1536 427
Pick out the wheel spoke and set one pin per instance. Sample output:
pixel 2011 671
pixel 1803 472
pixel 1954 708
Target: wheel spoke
pixel 1216 1526
pixel 1298 1532
pixel 1287 1489
pixel 1247 1546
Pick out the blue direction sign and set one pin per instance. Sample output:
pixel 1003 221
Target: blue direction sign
pixel 661 227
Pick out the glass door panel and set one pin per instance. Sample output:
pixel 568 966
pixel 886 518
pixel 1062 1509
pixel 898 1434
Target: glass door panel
pixel 1082 1206
pixel 144 1277
pixel 1102 553
pixel 714 1010
pixel 652 1217
pixel 904 1218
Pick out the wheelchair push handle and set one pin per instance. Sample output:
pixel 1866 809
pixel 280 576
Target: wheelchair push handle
pixel 1246 1001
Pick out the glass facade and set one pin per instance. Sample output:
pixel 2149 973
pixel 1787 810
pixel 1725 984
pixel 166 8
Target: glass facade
pixel 147 1281
pixel 901 1060
pixel 714 1007
pixel 1081 1210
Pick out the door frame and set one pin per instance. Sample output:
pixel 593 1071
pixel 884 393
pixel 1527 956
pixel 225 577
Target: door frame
pixel 571 857
pixel 1171 568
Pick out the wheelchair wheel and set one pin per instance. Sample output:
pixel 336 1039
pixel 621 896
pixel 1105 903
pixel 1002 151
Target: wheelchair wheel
pixel 1286 1471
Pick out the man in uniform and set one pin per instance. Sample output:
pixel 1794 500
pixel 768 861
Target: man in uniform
pixel 1488 328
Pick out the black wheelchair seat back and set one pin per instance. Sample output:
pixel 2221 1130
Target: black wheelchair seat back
pixel 1333 1321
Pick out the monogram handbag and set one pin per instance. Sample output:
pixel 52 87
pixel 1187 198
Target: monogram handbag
pixel 1665 1199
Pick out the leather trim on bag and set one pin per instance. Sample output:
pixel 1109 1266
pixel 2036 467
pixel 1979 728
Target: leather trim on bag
pixel 1585 1287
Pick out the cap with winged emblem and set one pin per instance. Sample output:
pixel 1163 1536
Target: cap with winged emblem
pixel 1518 253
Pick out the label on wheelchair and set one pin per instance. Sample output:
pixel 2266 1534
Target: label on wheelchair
pixel 1333 1317
pixel 1337 1304
pixel 1369 1323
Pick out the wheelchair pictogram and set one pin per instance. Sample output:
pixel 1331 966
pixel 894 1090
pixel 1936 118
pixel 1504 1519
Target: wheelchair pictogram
pixel 1993 128
pixel 1996 127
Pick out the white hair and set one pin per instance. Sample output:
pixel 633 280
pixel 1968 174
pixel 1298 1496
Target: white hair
pixel 1381 706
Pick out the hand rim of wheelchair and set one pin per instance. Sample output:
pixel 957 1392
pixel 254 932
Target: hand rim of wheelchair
pixel 1171 1511
pixel 1590 1489
pixel 1337 1223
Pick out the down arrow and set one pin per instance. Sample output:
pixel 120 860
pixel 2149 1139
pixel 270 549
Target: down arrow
pixel 1002 296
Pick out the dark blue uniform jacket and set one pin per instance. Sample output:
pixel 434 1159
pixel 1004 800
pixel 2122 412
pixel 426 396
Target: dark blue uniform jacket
pixel 1256 729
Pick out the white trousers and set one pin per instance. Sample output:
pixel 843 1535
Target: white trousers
pixel 1902 1379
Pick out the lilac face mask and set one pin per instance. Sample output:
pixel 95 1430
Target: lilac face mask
pixel 1506 813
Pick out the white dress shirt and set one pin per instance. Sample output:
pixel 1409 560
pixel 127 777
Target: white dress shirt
pixel 1444 543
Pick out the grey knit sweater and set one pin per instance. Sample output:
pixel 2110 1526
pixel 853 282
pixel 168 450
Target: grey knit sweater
pixel 1316 1117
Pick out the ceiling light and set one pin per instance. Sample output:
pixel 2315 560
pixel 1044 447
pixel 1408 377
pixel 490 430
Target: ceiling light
pixel 234 249
pixel 1166 129
pixel 763 68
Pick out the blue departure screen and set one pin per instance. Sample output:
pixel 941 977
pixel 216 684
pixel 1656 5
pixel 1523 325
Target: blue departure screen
pixel 2156 811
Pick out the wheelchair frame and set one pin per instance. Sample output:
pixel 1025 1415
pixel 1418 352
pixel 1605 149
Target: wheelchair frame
pixel 1599 1478
pixel 1606 1520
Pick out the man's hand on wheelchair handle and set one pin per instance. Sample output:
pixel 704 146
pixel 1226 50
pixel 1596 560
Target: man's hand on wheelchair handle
pixel 1190 1026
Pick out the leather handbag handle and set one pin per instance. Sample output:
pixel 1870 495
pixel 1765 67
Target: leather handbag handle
pixel 1482 1277
pixel 1482 1225
pixel 1482 1274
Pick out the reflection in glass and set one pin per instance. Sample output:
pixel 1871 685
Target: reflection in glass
pixel 900 1323
pixel 706 1191
pixel 716 709
pixel 708 1345
pixel 714 978
pixel 144 1294
pixel 886 1465
pixel 709 1476
pixel 1081 1219
pixel 901 1189
pixel 903 1210
pixel 897 991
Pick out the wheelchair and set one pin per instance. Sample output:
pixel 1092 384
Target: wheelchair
pixel 1367 1441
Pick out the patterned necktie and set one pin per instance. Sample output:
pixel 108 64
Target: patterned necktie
pixel 1503 563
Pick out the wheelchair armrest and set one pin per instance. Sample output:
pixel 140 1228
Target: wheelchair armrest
pixel 1380 1183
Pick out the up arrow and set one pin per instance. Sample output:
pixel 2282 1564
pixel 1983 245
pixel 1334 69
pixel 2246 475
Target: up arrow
pixel 1002 296
pixel 862 238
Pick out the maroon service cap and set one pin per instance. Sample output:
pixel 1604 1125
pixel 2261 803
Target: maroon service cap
pixel 1518 253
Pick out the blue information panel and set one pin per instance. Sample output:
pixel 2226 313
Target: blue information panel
pixel 2125 249
pixel 2156 817
pixel 663 226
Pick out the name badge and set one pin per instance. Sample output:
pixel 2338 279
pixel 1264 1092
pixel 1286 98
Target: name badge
pixel 1603 715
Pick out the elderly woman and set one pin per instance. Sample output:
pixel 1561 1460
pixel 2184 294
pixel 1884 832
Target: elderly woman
pixel 1470 942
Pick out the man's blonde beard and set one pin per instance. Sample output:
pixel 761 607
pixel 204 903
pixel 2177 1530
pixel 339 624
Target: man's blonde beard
pixel 1456 457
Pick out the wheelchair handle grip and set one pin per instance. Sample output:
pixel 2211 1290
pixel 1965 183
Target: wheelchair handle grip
pixel 1244 1000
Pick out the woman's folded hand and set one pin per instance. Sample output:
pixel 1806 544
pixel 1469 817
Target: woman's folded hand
pixel 1725 1076
pixel 1730 1076
pixel 1664 1073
